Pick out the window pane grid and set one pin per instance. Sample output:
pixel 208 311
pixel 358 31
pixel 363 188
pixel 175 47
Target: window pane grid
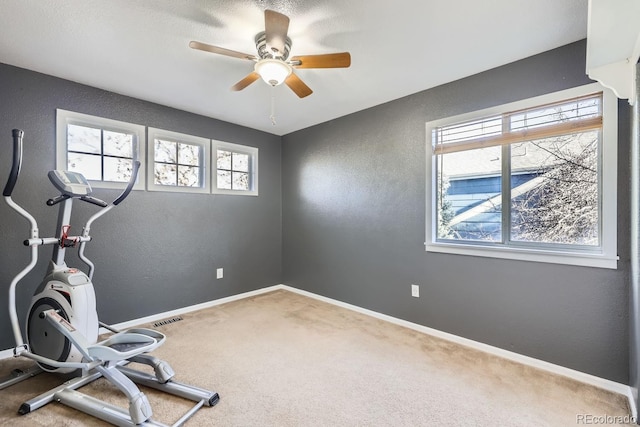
pixel 89 144
pixel 546 192
pixel 177 164
pixel 233 170
pixel 102 149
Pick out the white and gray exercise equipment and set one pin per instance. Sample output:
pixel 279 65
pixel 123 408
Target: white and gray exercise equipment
pixel 62 324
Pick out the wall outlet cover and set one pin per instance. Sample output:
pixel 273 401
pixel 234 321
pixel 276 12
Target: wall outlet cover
pixel 415 291
pixel 219 273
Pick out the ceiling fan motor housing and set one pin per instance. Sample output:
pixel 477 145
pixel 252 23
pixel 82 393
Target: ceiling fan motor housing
pixel 266 52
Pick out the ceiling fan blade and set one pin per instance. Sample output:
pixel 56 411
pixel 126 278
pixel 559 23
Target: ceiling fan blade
pixel 298 86
pixel 220 50
pixel 329 60
pixel 276 26
pixel 252 77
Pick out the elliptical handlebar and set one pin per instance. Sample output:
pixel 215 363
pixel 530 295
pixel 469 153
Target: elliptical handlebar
pixel 132 181
pixel 58 199
pixel 16 164
pixel 33 234
pixel 94 201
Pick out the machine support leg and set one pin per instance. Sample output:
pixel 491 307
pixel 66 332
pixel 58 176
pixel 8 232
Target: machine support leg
pixel 172 387
pixel 99 409
pixel 19 375
pixel 48 396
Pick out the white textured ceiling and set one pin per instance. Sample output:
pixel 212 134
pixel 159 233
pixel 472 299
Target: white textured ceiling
pixel 140 48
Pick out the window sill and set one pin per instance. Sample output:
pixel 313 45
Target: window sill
pixel 177 189
pixel 234 192
pixel 596 260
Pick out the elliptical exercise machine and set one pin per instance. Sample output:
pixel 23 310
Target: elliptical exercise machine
pixel 62 323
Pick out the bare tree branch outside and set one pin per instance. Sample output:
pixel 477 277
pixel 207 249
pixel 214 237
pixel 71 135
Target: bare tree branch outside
pixel 554 192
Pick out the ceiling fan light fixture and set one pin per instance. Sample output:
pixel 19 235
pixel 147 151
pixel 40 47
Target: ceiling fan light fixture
pixel 272 63
pixel 273 71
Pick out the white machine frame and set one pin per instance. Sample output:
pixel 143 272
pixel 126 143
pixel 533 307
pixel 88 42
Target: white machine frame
pixel 63 322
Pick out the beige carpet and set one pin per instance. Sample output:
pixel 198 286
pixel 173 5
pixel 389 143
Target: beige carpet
pixel 281 359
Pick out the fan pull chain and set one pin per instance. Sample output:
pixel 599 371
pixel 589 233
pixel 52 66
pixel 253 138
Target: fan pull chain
pixel 273 105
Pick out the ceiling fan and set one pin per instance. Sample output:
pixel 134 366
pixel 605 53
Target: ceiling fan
pixel 272 62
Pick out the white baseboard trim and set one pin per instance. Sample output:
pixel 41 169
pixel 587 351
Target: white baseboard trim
pixel 5 354
pixel 632 404
pixel 602 383
pixel 189 309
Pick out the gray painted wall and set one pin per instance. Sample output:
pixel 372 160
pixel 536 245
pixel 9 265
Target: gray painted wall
pixel 157 251
pixel 354 221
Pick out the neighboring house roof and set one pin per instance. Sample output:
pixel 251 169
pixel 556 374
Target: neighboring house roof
pixel 491 203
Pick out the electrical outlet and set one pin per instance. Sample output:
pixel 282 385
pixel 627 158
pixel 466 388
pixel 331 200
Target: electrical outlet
pixel 415 291
pixel 219 273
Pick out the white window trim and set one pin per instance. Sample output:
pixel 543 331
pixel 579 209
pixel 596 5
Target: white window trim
pixel 64 118
pixel 607 257
pixel 204 143
pixel 237 148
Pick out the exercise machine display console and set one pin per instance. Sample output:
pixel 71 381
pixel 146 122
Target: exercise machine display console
pixel 73 184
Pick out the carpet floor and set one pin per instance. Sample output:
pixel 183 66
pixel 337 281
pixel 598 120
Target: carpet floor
pixel 282 359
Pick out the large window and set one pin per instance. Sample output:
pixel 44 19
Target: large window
pixel 533 180
pixel 236 169
pixel 177 162
pixel 103 150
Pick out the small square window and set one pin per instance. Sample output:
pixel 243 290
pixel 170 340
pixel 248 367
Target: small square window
pixel 180 162
pixel 103 150
pixel 236 169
